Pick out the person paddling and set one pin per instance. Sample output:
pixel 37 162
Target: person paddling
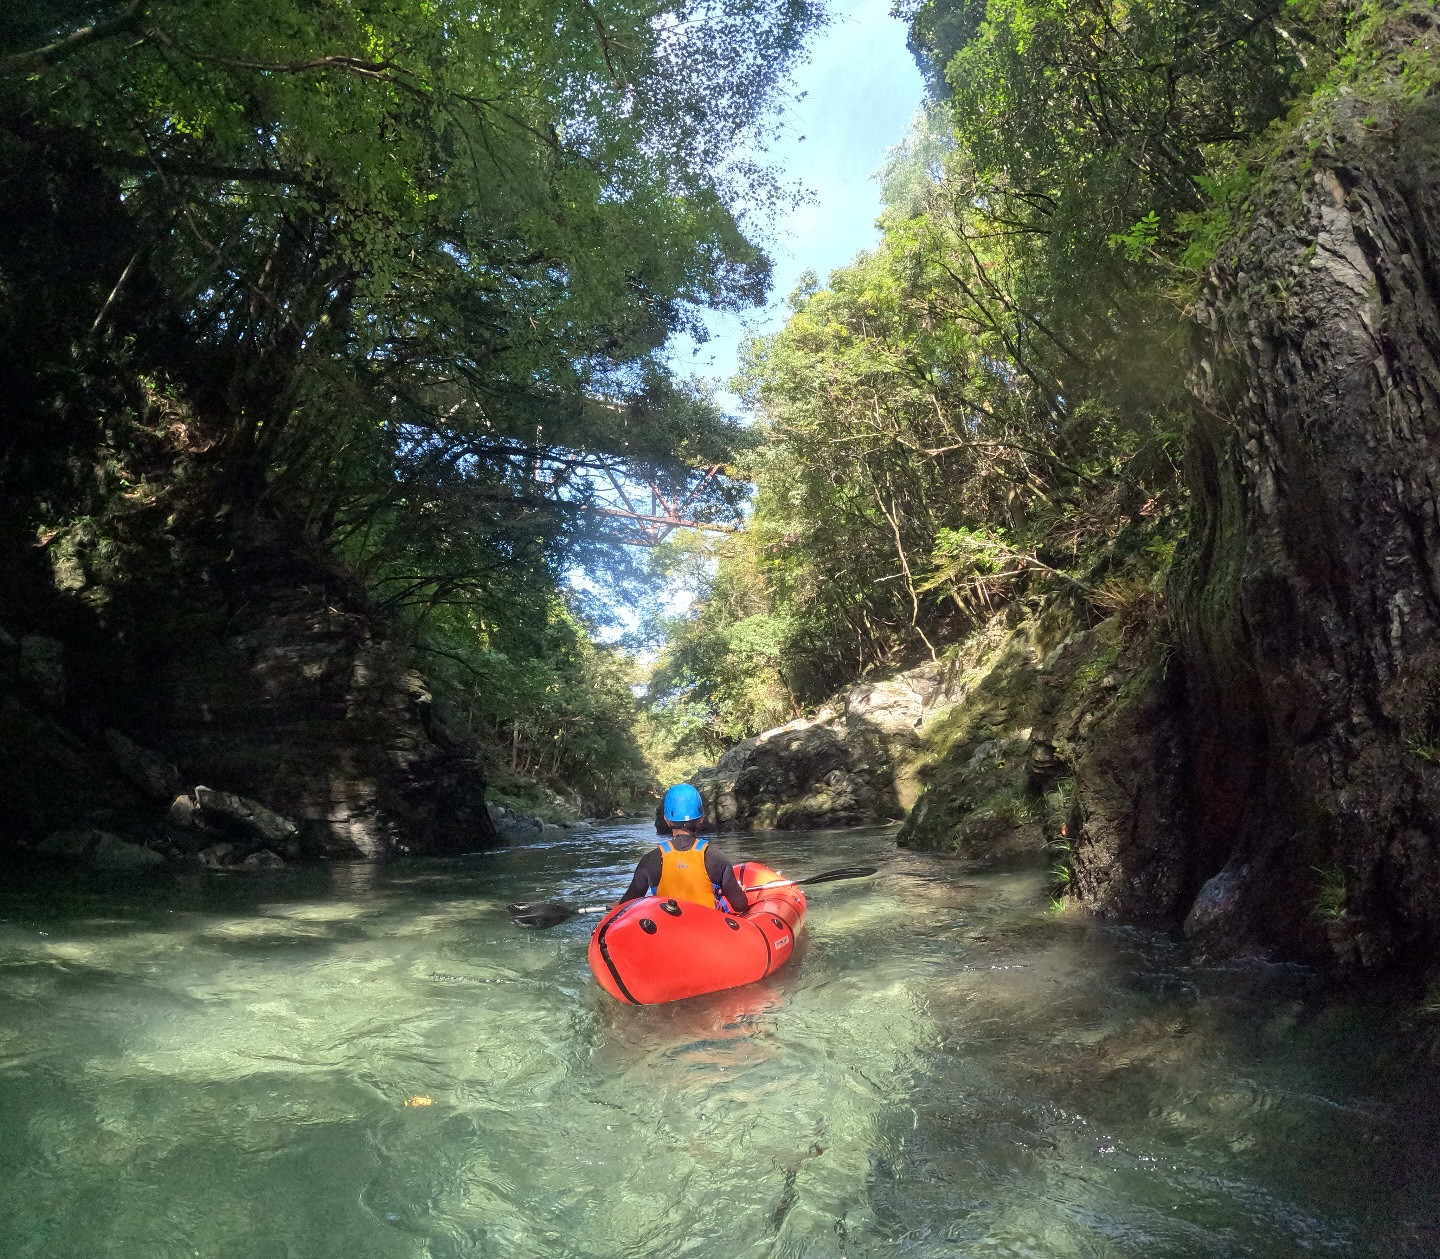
pixel 684 867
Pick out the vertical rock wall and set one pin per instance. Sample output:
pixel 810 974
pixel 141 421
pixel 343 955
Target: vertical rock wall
pixel 304 705
pixel 1310 602
pixel 254 670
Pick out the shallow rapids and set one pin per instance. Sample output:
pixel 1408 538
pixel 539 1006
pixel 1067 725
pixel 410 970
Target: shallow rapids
pixel 373 1061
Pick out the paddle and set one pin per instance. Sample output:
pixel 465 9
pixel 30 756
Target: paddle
pixel 542 914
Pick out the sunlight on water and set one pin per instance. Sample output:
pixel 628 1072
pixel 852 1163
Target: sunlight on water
pixel 375 1062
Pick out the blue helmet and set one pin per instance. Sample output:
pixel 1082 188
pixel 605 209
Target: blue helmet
pixel 683 804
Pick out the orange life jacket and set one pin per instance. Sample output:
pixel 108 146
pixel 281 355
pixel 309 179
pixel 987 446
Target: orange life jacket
pixel 682 874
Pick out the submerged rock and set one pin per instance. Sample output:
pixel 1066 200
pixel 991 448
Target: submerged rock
pixel 98 849
pixel 217 856
pixel 1216 905
pixel 237 856
pixel 114 853
pixel 262 860
pixel 72 844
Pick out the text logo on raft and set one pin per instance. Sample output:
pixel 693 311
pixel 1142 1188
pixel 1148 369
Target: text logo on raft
pixel 782 942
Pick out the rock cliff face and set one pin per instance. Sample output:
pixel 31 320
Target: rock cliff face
pixel 1311 607
pixel 303 705
pixel 1066 746
pixel 1035 741
pixel 263 713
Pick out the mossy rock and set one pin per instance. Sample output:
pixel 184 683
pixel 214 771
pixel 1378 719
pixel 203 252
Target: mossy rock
pixel 993 757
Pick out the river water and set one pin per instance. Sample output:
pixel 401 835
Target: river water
pixel 220 1066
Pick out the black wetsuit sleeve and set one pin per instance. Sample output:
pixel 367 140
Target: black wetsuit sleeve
pixel 646 876
pixel 718 867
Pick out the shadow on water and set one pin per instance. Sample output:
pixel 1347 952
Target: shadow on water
pixel 373 1061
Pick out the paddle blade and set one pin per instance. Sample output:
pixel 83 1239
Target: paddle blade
pixel 834 876
pixel 829 876
pixel 540 914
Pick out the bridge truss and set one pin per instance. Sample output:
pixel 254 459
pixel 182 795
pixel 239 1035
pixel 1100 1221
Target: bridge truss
pixel 642 514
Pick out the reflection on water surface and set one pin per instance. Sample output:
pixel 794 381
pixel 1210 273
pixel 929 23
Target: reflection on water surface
pixel 218 1066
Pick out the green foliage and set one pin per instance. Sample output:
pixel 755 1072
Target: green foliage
pixel 1140 240
pixel 991 404
pixel 1058 802
pixel 974 549
pixel 1062 871
pixel 726 667
pixel 549 702
pixel 1424 749
pixel 1331 896
pixel 1205 230
pixel 406 270
pixel 1013 804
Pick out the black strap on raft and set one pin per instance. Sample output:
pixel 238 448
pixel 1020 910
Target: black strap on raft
pixel 609 961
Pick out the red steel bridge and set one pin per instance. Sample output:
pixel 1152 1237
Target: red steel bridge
pixel 642 514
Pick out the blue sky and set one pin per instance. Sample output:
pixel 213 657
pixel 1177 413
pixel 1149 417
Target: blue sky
pixel 861 92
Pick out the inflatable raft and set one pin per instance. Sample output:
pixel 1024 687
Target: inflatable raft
pixel 649 951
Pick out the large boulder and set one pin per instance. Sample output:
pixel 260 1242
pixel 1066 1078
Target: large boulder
pixel 805 774
pixel 852 764
pixel 223 812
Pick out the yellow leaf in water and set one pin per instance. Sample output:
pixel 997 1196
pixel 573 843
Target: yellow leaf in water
pixel 420 1099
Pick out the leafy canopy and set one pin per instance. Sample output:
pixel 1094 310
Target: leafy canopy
pixel 991 404
pixel 395 273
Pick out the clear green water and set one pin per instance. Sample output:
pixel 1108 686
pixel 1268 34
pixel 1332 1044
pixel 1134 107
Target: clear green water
pixel 218 1066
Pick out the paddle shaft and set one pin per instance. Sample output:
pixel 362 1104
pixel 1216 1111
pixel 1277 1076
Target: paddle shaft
pixel 764 887
pixel 604 909
pixel 552 913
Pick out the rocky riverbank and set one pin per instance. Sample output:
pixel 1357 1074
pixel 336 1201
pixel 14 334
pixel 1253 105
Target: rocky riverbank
pixel 1051 739
pixel 79 794
pixel 262 719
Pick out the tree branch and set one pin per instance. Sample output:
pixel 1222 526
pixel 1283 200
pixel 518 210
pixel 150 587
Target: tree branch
pixel 77 39
pixel 198 170
pixel 605 40
pixel 79 143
